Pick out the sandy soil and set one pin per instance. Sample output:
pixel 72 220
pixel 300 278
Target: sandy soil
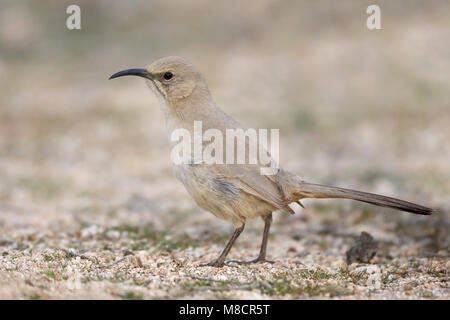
pixel 89 208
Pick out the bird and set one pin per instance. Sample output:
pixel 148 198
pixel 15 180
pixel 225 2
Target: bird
pixel 234 192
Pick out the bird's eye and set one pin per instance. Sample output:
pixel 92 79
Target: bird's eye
pixel 168 75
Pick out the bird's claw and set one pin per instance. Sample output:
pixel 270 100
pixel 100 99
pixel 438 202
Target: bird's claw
pixel 257 260
pixel 215 263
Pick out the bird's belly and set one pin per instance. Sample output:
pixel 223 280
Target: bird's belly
pixel 219 196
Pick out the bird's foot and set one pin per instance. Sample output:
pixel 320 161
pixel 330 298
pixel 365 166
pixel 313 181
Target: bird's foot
pixel 215 263
pixel 257 260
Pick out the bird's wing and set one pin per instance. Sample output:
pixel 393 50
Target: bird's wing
pixel 249 179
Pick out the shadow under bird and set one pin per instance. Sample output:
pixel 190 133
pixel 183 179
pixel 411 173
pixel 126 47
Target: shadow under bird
pixel 234 192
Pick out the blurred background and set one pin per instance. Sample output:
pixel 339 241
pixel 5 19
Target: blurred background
pixel 355 108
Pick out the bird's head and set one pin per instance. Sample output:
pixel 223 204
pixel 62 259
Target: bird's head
pixel 171 78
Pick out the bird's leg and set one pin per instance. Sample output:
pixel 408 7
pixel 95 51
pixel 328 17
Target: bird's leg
pixel 220 261
pixel 262 253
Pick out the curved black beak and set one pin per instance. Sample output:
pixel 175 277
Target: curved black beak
pixel 133 72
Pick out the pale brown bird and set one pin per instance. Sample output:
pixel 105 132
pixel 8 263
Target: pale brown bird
pixel 233 192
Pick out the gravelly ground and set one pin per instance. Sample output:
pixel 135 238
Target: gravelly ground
pixel 136 262
pixel 88 205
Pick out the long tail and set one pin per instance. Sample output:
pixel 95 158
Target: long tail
pixel 311 190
